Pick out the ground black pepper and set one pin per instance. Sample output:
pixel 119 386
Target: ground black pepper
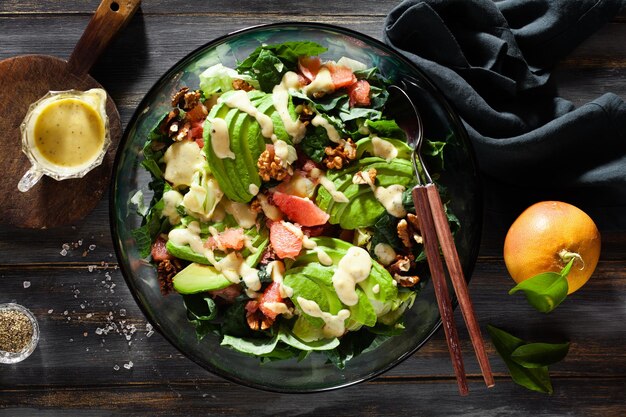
pixel 16 331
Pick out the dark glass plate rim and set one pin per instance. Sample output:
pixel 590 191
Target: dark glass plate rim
pixel 113 201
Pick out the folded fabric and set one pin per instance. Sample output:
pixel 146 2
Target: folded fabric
pixel 492 60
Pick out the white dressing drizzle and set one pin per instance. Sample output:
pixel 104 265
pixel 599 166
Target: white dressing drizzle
pixel 385 253
pixel 171 200
pixel 243 214
pixel 322 84
pixel 280 97
pixel 253 189
pixel 270 211
pixel 182 160
pixel 337 196
pixel 240 100
pixel 354 267
pixel 334 325
pixel 391 198
pixel 285 152
pixel 322 256
pixel 383 149
pixel 332 133
pixel 277 269
pixel 191 236
pixel 220 141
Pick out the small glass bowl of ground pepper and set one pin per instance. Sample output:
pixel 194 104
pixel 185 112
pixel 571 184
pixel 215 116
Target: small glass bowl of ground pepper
pixel 19 333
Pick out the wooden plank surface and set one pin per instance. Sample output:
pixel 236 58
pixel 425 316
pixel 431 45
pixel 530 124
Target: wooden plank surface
pixel 72 371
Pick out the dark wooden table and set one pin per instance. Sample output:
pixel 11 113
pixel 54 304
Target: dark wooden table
pixel 77 372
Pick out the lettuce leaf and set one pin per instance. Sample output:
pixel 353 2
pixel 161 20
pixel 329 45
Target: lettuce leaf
pixel 219 78
pixel 314 143
pixel 289 52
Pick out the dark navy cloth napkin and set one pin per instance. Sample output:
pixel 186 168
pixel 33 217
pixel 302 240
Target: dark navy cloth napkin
pixel 492 60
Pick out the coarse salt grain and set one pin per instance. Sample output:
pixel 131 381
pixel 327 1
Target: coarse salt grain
pixel 128 365
pixel 116 367
pixel 26 284
pixel 92 247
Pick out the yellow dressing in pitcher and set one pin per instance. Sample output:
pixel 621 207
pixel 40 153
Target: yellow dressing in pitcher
pixel 69 132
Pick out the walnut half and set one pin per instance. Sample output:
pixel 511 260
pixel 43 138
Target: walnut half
pixel 271 167
pixel 340 155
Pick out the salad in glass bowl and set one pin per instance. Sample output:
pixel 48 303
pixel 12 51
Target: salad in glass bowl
pixel 229 215
pixel 282 209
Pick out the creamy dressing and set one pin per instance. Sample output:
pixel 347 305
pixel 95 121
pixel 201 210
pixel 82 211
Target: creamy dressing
pixel 247 241
pixel 191 236
pixel 385 253
pixel 276 307
pixel 322 256
pixel 182 160
pixel 235 269
pixel 285 152
pixel 280 97
pixel 171 200
pixel 220 141
pixel 271 212
pixel 354 267
pixel 383 149
pixel 391 198
pixel 322 84
pixel 334 325
pixel 332 133
pixel 243 214
pixel 337 196
pixel 277 270
pixel 240 100
pixel 253 189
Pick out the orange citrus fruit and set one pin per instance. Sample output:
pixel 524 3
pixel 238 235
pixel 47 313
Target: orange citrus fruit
pixel 546 236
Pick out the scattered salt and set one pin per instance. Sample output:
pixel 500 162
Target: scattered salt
pixel 123 312
pixel 50 311
pixel 92 247
pixel 128 365
pixel 116 367
pixel 65 313
pixel 90 268
pixel 26 284
pixel 63 252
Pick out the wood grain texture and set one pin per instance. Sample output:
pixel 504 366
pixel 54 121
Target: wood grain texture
pixel 64 378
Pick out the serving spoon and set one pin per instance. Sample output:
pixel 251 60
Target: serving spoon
pixel 435 231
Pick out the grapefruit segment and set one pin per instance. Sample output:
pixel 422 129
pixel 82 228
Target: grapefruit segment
pixel 300 210
pixel 286 239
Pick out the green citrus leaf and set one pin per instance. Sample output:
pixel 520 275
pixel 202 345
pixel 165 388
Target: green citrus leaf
pixel 535 379
pixel 536 355
pixel 544 291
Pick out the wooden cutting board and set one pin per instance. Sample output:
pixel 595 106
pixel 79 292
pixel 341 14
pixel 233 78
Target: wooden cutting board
pixel 25 79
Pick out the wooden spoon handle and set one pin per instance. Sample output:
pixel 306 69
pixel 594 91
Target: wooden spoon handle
pixel 110 17
pixel 458 281
pixel 431 248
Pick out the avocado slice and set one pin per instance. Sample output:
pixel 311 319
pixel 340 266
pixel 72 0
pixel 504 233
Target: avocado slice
pixel 363 209
pixel 246 142
pixel 365 146
pixel 197 278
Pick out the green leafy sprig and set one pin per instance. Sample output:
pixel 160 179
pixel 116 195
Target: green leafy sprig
pixel 528 362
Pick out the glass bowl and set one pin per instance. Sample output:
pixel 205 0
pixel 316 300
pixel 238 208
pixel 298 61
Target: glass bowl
pixel 168 315
pixel 15 357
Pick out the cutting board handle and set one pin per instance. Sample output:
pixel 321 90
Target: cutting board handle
pixel 110 17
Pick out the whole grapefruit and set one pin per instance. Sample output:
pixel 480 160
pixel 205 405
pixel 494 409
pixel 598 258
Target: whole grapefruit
pixel 546 236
